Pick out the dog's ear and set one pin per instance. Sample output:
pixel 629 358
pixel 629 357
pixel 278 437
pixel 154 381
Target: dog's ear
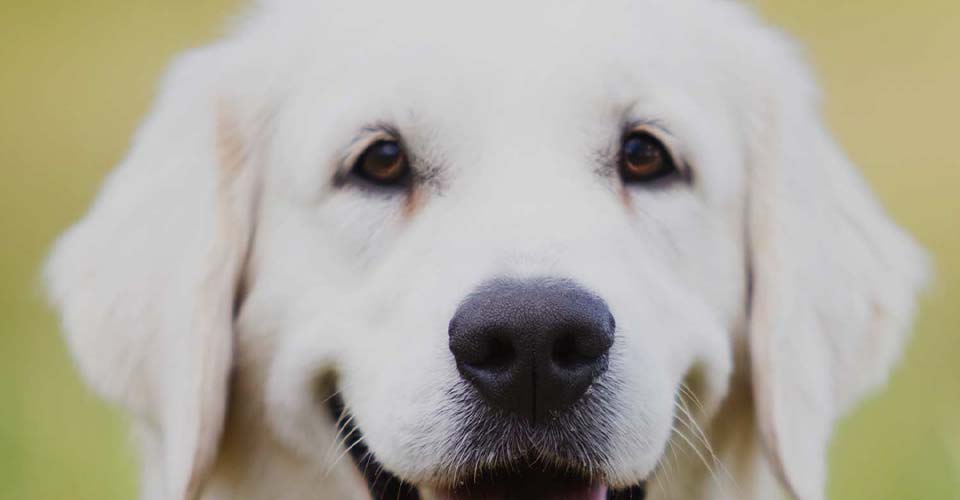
pixel 833 281
pixel 146 281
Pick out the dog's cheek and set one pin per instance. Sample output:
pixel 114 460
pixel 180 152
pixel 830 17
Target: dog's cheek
pixel 662 338
pixel 642 421
pixel 400 398
pixel 296 364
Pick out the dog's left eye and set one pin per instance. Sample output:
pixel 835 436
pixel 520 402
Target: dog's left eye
pixel 643 158
pixel 383 163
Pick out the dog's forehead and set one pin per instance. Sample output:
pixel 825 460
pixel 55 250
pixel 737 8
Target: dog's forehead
pixel 474 80
pixel 520 55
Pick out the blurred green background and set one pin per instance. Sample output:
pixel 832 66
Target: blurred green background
pixel 77 76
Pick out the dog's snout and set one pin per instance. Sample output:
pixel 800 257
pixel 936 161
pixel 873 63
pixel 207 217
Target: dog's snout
pixel 532 347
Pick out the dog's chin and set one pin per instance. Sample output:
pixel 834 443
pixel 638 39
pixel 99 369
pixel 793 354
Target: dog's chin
pixel 526 479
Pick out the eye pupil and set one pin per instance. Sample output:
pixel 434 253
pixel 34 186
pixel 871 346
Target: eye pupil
pixel 639 152
pixel 643 158
pixel 383 163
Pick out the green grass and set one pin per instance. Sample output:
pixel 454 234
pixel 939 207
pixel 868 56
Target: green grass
pixel 78 76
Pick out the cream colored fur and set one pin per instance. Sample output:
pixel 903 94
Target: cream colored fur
pixel 222 271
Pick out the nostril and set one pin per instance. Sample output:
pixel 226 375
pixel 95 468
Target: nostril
pixel 574 348
pixel 498 353
pixel 565 351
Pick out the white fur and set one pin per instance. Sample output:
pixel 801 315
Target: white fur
pixel 774 275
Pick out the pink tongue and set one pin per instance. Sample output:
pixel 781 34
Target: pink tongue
pixel 584 493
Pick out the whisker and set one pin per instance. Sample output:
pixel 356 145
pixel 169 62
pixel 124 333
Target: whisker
pixel 665 471
pixel 342 455
pixel 687 419
pixel 691 395
pixel 340 439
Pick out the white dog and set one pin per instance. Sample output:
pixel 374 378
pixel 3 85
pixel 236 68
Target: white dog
pixel 458 250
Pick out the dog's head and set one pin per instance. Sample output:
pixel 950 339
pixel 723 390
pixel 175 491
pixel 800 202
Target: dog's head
pixel 500 245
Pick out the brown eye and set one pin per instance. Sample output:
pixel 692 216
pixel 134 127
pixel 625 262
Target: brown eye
pixel 383 163
pixel 643 158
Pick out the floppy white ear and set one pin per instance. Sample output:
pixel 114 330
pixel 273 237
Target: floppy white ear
pixel 146 281
pixel 833 283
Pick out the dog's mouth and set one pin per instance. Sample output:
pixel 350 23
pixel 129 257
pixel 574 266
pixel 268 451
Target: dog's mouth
pixel 521 480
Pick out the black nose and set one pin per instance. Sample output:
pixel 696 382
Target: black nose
pixel 531 347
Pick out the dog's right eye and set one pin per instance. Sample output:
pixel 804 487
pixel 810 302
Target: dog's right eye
pixel 383 163
pixel 643 159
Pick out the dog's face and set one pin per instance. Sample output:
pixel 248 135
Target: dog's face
pixel 514 168
pixel 501 246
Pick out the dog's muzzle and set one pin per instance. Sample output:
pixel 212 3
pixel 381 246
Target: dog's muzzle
pixel 529 352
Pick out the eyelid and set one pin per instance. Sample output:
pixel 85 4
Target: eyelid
pixel 662 134
pixel 368 137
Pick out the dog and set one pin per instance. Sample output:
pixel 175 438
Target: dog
pixel 449 250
